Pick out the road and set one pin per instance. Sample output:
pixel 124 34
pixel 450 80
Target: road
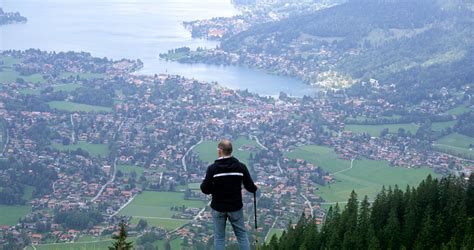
pixel 6 142
pixel 260 144
pixel 270 229
pixel 307 202
pixel 279 166
pixel 183 160
pixel 123 206
pixel 73 133
pixel 202 211
pixel 108 182
pixel 349 168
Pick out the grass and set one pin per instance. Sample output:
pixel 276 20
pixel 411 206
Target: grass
pixel 9 75
pixel 28 193
pixel 8 61
pixel 321 156
pixel 77 107
pixel 158 204
pixel 369 119
pixel 459 110
pixel 11 214
pixel 374 130
pixel 274 231
pixel 167 223
pixel 207 150
pixel 439 126
pixel 92 245
pixel 87 76
pixel 92 149
pixel 367 178
pixel 130 168
pixel 194 186
pixel 455 144
pixel 175 243
pixel 69 87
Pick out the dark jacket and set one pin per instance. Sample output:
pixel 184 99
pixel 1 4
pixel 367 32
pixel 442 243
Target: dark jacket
pixel 224 181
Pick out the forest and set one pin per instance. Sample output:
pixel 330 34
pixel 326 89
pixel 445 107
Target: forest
pixel 438 214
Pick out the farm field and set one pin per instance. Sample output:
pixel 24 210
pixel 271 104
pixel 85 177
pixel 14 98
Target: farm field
pixel 207 150
pixel 14 213
pixel 130 168
pixel 155 207
pixel 66 87
pixel 77 107
pixel 459 110
pixel 92 245
pixel 324 157
pixel 93 149
pixel 167 223
pixel 438 126
pixel 366 177
pixel 374 130
pixel 87 76
pixel 455 144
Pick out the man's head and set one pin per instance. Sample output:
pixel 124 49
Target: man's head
pixel 224 148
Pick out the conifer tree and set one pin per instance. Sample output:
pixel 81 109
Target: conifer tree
pixel 120 242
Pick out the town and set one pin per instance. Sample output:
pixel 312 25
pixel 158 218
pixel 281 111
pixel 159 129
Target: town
pixel 86 144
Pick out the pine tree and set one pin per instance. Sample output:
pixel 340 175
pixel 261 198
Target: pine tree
pixel 120 239
pixel 363 224
pixel 392 231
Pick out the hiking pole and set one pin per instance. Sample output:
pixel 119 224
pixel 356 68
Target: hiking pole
pixel 255 210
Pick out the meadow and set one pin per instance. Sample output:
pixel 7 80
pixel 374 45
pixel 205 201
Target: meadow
pixel 366 177
pixel 87 76
pixel 455 144
pixel 99 244
pixel 14 213
pixel 93 149
pixel 324 157
pixel 207 150
pixel 130 168
pixel 77 107
pixel 438 126
pixel 374 130
pixel 459 110
pixel 155 207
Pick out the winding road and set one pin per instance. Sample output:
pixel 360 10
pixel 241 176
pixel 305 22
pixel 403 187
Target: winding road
pixel 349 168
pixel 107 183
pixel 307 202
pixel 183 160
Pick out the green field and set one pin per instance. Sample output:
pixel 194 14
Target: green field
pixel 456 144
pixel 374 130
pixel 274 231
pixel 194 186
pixel 155 207
pixel 439 126
pixel 93 149
pixel 92 245
pixel 8 61
pixel 77 107
pixel 321 156
pixel 130 168
pixel 9 75
pixel 459 110
pixel 207 150
pixel 359 119
pixel 66 87
pixel 13 214
pixel 366 177
pixel 87 76
pixel 168 224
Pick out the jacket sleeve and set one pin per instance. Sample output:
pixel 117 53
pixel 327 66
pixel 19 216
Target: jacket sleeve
pixel 207 184
pixel 248 182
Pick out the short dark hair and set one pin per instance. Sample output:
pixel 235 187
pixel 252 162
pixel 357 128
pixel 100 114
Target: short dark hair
pixel 225 146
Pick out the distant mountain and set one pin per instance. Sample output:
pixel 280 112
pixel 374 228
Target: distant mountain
pixel 405 42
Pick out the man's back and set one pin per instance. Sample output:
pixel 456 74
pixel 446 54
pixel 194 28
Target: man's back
pixel 224 181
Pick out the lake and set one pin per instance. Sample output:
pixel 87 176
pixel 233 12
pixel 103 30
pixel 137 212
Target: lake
pixel 135 29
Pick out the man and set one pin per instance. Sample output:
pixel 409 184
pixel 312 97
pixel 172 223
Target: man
pixel 224 181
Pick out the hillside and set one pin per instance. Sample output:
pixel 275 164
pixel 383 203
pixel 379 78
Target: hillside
pixel 436 215
pixel 401 42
